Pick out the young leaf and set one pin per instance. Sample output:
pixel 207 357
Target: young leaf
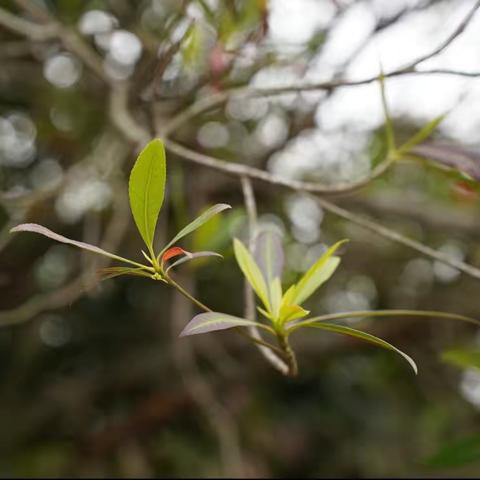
pixel 173 252
pixel 33 227
pixel 382 313
pixel 192 256
pixel 146 189
pixel 421 135
pixel 251 271
pixel 198 222
pixel 316 275
pixel 352 332
pixel 289 313
pixel 213 321
pixel 275 292
pixel 269 255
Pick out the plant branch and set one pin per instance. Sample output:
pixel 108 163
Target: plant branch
pixel 218 99
pixel 34 31
pixel 202 306
pixel 250 312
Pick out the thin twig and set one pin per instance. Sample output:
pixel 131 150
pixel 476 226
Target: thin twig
pixel 250 311
pixel 34 31
pixel 218 99
pixel 244 170
pixel 460 28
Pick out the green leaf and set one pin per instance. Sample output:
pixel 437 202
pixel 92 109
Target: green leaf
pixel 34 228
pixel 275 292
pixel 316 275
pixel 214 321
pixel 382 313
pixel 251 271
pixel 198 222
pixel 352 332
pixel 421 135
pixel 269 255
pixel 289 313
pixel 146 189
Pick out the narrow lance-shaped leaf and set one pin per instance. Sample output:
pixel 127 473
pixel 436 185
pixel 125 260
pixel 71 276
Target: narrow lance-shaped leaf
pixel 146 189
pixel 192 256
pixel 422 134
pixel 381 313
pixel 251 271
pixel 317 274
pixel 269 255
pixel 33 227
pixel 198 222
pixel 352 332
pixel 213 321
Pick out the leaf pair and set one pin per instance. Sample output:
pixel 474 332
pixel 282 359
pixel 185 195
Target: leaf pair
pixel 146 190
pixel 265 277
pixel 284 311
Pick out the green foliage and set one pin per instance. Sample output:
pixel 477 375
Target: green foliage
pixel 146 189
pixel 146 192
pixel 421 135
pixel 263 272
pixel 317 275
pixel 251 271
pixel 213 321
pixel 197 223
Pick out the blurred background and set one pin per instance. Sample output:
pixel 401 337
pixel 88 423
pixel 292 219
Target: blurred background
pixel 94 380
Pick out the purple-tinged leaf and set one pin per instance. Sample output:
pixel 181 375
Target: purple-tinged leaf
pixel 214 321
pixel 192 256
pixel 460 158
pixel 35 228
pixel 268 253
